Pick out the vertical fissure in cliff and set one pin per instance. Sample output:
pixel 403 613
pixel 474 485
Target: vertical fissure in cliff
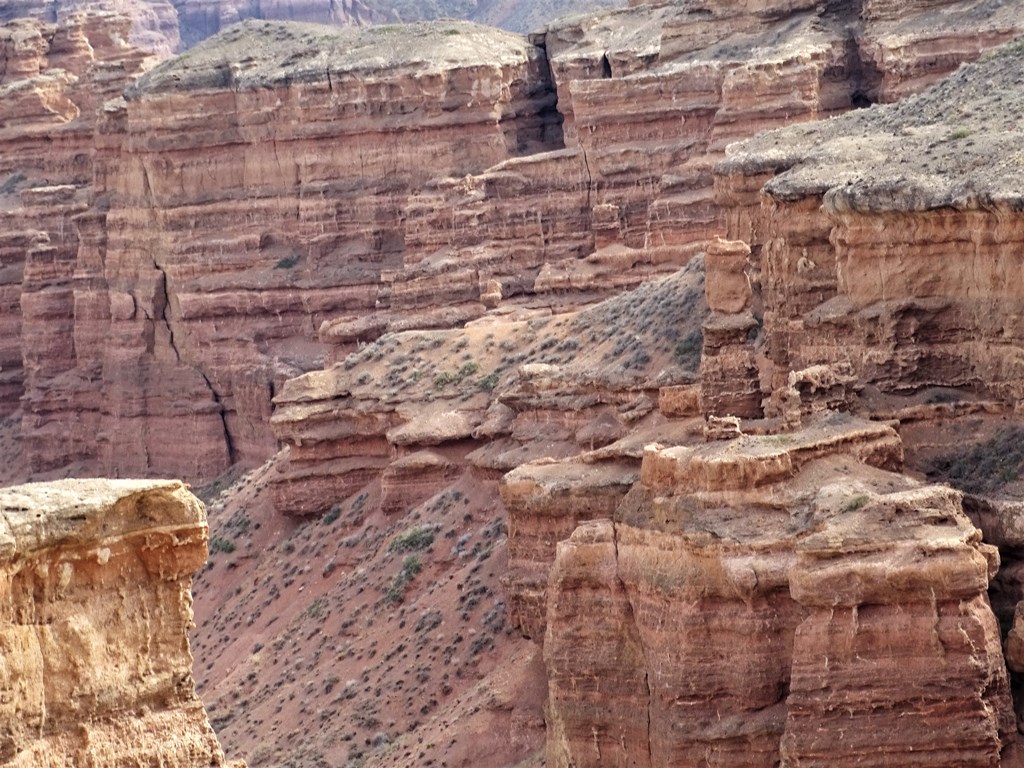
pixel 229 444
pixel 590 178
pixel 552 120
pixel 635 630
pixel 863 74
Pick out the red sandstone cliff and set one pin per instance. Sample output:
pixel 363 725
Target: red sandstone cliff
pixel 324 187
pixel 325 194
pixel 166 27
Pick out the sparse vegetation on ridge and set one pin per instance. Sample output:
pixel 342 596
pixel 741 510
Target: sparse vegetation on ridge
pixel 985 467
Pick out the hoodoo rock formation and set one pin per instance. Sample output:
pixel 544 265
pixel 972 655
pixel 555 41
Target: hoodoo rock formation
pixel 782 597
pixel 96 610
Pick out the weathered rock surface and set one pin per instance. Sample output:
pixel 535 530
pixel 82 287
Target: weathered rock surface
pixel 279 194
pixel 282 195
pixel 50 76
pixel 887 241
pixel 96 610
pixel 494 395
pixel 232 216
pixel 864 594
pixel 170 26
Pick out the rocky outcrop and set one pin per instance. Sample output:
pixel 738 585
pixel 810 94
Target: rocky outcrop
pixel 887 240
pixel 697 77
pixel 493 395
pixel 792 539
pixel 859 584
pixel 230 217
pixel 247 213
pixel 165 27
pixel 95 614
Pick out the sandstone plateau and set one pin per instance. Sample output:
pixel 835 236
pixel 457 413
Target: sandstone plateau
pixel 556 399
pixel 165 27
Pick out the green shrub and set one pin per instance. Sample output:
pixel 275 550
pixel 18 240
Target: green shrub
pixel 854 503
pixel 488 382
pixel 220 544
pixel 419 537
pixel 444 379
pixel 688 350
pixel 333 514
pixel 984 467
pixel 395 593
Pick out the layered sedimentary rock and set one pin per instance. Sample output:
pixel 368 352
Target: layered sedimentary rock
pixel 868 593
pixel 96 611
pixel 154 24
pixel 257 211
pixel 235 209
pixel 165 27
pixel 784 597
pixel 492 395
pixel 52 79
pixel 696 77
pixel 889 240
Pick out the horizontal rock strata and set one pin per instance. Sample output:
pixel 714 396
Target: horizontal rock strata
pixel 224 230
pixel 491 396
pixel 773 598
pixel 888 240
pixel 226 226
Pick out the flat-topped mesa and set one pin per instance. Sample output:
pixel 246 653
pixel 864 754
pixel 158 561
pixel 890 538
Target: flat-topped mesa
pixel 651 96
pixel 846 596
pixel 95 609
pixel 249 190
pixel 891 237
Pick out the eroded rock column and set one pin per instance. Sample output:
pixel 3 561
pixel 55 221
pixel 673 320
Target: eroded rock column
pixel 95 607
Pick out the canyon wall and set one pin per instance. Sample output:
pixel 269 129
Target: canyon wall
pixel 754 599
pixel 383 251
pixel 166 27
pixel 54 79
pixel 649 98
pixel 898 263
pixel 246 213
pixel 217 241
pixel 96 609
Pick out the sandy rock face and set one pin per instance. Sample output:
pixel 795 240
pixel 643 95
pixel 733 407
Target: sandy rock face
pixel 166 27
pixel 51 80
pixel 782 600
pixel 887 240
pixel 96 607
pixel 236 209
pixel 259 206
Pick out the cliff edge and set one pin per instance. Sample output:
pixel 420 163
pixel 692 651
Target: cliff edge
pixel 95 607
